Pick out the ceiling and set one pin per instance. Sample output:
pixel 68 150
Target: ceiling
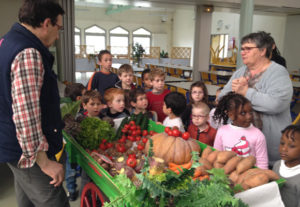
pixel 288 7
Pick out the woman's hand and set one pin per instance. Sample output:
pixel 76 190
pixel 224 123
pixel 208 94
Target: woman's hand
pixel 240 86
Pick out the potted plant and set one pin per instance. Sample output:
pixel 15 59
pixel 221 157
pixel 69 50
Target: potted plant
pixel 137 53
pixel 164 54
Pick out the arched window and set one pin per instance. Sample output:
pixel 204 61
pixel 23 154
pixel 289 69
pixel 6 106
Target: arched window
pixel 77 39
pixel 143 37
pixel 119 41
pixel 94 39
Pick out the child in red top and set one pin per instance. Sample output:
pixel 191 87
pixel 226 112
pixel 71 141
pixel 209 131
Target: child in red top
pixel 158 93
pixel 199 128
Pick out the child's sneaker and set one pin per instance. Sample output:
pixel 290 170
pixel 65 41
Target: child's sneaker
pixel 72 196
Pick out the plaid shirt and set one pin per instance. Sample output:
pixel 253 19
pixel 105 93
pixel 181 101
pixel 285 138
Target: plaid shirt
pixel 27 72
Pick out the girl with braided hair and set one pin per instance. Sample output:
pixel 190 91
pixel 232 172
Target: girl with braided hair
pixel 240 135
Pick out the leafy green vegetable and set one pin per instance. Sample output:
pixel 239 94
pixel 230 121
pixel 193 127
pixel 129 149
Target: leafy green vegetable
pixel 93 130
pixel 70 108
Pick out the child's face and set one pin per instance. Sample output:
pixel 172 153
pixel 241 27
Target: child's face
pixel 147 81
pixel 197 94
pixel 141 102
pixel 117 104
pixel 199 117
pixel 93 107
pixel 106 62
pixel 166 110
pixel 126 78
pixel 243 116
pixel 158 83
pixel 289 149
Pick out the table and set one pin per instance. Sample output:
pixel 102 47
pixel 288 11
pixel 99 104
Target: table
pixel 222 67
pixel 296 84
pixel 134 67
pixel 187 71
pixel 167 79
pixel 211 89
pixel 216 77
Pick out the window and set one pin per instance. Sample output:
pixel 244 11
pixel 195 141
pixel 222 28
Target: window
pixel 77 40
pixel 119 41
pixel 94 39
pixel 143 37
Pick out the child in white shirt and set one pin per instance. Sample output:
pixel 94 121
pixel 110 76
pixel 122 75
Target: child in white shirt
pixel 174 105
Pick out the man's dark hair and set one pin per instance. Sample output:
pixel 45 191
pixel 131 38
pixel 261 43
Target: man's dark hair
pixel 74 90
pixel 103 52
pixel 34 12
pixel 176 101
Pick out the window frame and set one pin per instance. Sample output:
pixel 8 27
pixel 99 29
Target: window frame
pixel 77 33
pixel 95 34
pixel 120 35
pixel 141 35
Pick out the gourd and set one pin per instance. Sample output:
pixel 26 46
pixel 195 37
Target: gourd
pixel 173 149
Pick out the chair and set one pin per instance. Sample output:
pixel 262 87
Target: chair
pixel 297 119
pixel 181 90
pixel 179 73
pixel 152 66
pixel 139 81
pixel 205 77
pixel 173 88
pixel 172 72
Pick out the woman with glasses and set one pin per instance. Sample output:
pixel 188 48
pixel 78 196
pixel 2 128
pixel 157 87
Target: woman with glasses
pixel 268 87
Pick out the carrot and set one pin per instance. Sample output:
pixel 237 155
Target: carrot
pixel 200 171
pixel 177 168
pixel 204 177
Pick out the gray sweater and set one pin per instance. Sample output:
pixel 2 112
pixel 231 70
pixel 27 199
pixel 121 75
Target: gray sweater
pixel 290 192
pixel 271 97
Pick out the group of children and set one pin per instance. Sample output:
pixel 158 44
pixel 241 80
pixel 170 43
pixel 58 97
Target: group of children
pixel 225 126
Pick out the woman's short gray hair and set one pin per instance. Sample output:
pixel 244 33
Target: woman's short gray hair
pixel 261 39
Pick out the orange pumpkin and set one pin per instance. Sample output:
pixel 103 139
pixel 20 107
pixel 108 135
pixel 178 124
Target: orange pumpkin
pixel 173 149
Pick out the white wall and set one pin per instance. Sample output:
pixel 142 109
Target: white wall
pixel 292 43
pixel 129 19
pixel 8 14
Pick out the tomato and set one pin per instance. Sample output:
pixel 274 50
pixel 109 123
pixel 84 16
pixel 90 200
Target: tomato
pixel 170 133
pixel 138 138
pixel 138 127
pixel 122 140
pixel 167 130
pixel 104 140
pixel 145 133
pixel 132 123
pixel 132 156
pixel 145 140
pixel 140 147
pixel 151 133
pixel 186 135
pixel 109 145
pixel 175 132
pixel 131 162
pixel 138 132
pixel 124 130
pixel 102 146
pixel 133 127
pixel 131 138
pixel 126 126
pixel 134 133
pixel 121 148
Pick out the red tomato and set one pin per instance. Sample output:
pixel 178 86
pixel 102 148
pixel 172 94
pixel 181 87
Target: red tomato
pixel 186 135
pixel 132 156
pixel 104 140
pixel 175 132
pixel 124 130
pixel 121 148
pixel 138 132
pixel 126 126
pixel 133 127
pixel 145 140
pixel 170 133
pixel 140 147
pixel 109 145
pixel 131 138
pixel 145 133
pixel 122 140
pixel 167 130
pixel 131 162
pixel 138 127
pixel 134 133
pixel 138 138
pixel 132 123
pixel 102 146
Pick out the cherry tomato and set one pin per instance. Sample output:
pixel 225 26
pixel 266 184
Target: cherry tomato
pixel 122 140
pixel 126 126
pixel 102 146
pixel 131 162
pixel 132 156
pixel 133 127
pixel 167 130
pixel 131 138
pixel 109 145
pixel 132 123
pixel 175 132
pixel 145 133
pixel 124 130
pixel 140 147
pixel 121 148
pixel 133 133
pixel 138 132
pixel 186 135
pixel 104 140
pixel 145 140
pixel 170 133
pixel 138 138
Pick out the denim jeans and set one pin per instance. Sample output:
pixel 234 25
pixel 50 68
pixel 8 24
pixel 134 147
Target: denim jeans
pixel 70 177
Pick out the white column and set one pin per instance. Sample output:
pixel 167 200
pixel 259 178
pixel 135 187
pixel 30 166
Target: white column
pixel 202 41
pixel 246 22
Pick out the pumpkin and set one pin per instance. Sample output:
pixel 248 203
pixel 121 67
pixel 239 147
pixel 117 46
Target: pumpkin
pixel 173 149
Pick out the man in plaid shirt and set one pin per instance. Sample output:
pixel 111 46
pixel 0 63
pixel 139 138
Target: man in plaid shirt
pixel 30 123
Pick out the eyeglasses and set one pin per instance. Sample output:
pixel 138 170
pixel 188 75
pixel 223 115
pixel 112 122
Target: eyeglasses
pixel 198 116
pixel 247 49
pixel 60 27
pixel 197 92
